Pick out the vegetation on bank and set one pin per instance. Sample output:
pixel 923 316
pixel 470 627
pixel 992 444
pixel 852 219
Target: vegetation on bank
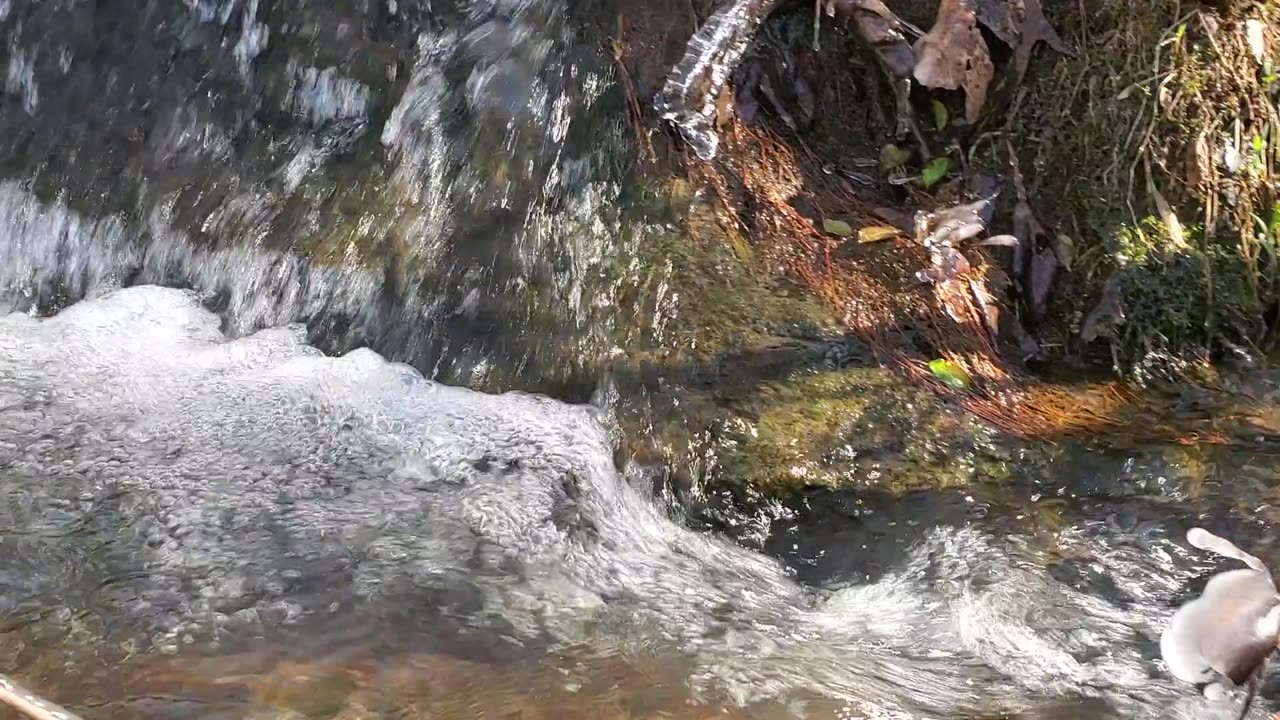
pixel 1153 147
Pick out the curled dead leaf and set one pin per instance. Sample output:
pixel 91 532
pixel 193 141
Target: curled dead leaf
pixel 1166 212
pixel 1044 268
pixel 998 241
pixel 1197 160
pixel 954 223
pixel 946 263
pixel 1030 233
pixel 988 306
pixel 881 29
pixel 876 233
pixel 953 56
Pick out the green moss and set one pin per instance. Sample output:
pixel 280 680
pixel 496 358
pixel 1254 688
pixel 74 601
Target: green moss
pixel 1177 299
pixel 1156 97
pixel 854 427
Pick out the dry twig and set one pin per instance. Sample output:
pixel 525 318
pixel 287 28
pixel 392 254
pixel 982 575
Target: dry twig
pixel 29 704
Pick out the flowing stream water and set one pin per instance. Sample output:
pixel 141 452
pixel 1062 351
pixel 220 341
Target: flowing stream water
pixel 261 259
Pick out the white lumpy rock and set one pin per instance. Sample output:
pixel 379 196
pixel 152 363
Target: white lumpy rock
pixel 1224 636
pixel 1221 632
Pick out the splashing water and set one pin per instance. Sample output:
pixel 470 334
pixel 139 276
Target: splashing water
pixel 184 472
pixel 150 462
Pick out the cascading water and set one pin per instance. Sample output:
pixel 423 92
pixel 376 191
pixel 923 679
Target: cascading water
pixel 178 486
pixel 182 472
pixel 423 177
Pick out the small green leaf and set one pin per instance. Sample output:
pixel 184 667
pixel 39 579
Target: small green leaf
pixel 935 171
pixel 1065 248
pixel 893 157
pixel 950 373
pixel 837 227
pixel 940 115
pixel 1258 144
pixel 1181 32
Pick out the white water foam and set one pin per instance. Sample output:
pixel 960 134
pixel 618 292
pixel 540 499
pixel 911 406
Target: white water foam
pixel 206 477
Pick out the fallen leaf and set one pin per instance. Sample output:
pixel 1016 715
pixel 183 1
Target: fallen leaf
pixel 1107 310
pixel 876 233
pixel 947 264
pixel 1197 160
pixel 999 241
pixel 950 373
pixel 1030 234
pixel 1044 268
pixel 1253 32
pixel 837 227
pixel 881 29
pixel 953 224
pixel 935 171
pixel 1020 25
pixel 1165 210
pixel 893 157
pixel 893 216
pixel 953 56
pixel 1065 248
pixel 940 115
pixel 966 231
pixel 987 306
pixel 999 18
pixel 1035 28
pixel 875 7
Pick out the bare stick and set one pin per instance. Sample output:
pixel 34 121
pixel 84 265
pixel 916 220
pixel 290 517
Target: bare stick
pixel 1205 540
pixel 23 700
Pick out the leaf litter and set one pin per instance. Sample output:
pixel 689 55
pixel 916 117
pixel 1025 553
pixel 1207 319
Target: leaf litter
pixel 953 55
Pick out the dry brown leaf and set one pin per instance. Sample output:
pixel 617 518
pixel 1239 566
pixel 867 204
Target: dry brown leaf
pixel 1034 259
pixel 876 233
pixel 881 29
pixel 1035 28
pixel 1020 24
pixel 1197 161
pixel 1167 214
pixel 953 56
pixel 988 307
pixel 1000 19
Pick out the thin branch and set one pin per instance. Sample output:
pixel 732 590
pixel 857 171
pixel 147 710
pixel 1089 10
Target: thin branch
pixel 26 702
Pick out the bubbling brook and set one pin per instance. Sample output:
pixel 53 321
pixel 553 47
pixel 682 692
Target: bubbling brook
pixel 303 414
